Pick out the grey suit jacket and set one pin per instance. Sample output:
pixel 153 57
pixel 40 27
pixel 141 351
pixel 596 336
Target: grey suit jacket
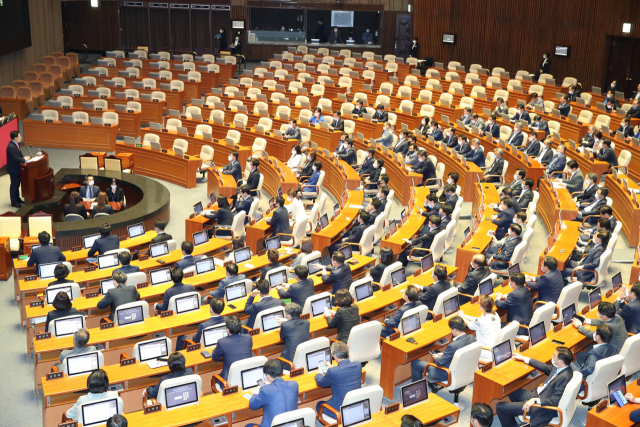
pixel 76 351
pixel 386 139
pixel 575 183
pixel 617 326
pixel 446 358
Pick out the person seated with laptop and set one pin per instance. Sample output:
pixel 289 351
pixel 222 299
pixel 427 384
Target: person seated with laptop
pixel 106 242
pixel 500 260
pixel 232 348
pixel 98 387
pixel 187 260
pixel 301 290
pixel 80 340
pixel 354 235
pixel 60 272
pixel 547 394
pixel 550 284
pixel 443 359
pixel 176 364
pixel 345 316
pixel 216 307
pixel 293 332
pixel 343 378
pixel 223 215
pixel 75 206
pixel 386 259
pixel 606 315
pixel 518 303
pixel 263 287
pixel 423 241
pixel 276 397
pixel 586 360
pixel 158 226
pixel 410 296
pixel 62 308
pixel 627 304
pixel 231 272
pixel 317 116
pixel 373 180
pixel 274 262
pixel 121 294
pixel 341 276
pixel 280 218
pixel 487 326
pixel 440 284
pixel 233 168
pixel 593 208
pixel 245 204
pixel 504 218
pixel 293 131
pixel 477 272
pixel 89 192
pixel 585 267
pixel 46 253
pixel 177 289
pixel 125 260
pixel 373 208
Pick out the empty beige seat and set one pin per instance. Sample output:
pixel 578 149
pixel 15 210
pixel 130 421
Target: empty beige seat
pixel 110 118
pixel 80 116
pixel 104 105
pixel 51 115
pixel 190 110
pixel 180 143
pixel 132 106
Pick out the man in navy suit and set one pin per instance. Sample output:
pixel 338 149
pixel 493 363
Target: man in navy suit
pixel 14 158
pixel 367 165
pixel 550 284
pixel 245 204
pixel 440 284
pixel 411 300
pixel 293 332
pixel 187 260
pixel 492 126
pixel 125 260
pixel 340 277
pixel 106 242
pixel 451 196
pixel 563 106
pixel 177 289
pixel 607 154
pixel 233 167
pixel 443 360
pixel 478 271
pixel 540 124
pixel 521 114
pixel 176 363
pixel 342 379
pixel 450 138
pixel 380 115
pixel 121 294
pixel 253 180
pixel 45 253
pixel 504 218
pixel 500 261
pixel 424 240
pixel 533 146
pixel 594 207
pixel 158 226
pixel 601 350
pixel 518 303
pixel 349 155
pixel 491 174
pixel 475 155
pixel 354 234
pixel 263 287
pixel 90 191
pixel 231 271
pixel 301 290
pixel 526 196
pixel 435 131
pixel 280 219
pixel 558 162
pixel 628 306
pixel 232 348
pixel 425 167
pixel 589 193
pixel 216 307
pixel 516 138
pixel 546 152
pixel 276 397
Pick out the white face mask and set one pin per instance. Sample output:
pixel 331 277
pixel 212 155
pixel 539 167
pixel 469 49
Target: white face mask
pixel 89 183
pixel 314 169
pixel 290 126
pixel 293 152
pixel 308 157
pixel 230 158
pixel 335 30
pixel 237 38
pixel 449 181
pixel 515 176
pixel 367 30
pixel 113 187
pixel 317 114
pixel 554 362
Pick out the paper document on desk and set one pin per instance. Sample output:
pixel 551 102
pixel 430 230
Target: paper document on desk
pixel 218 262
pixel 558 185
pixel 208 212
pixel 356 206
pixel 34 159
pixel 154 364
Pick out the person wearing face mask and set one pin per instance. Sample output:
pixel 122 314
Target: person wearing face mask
pixel 625 126
pixel 423 241
pixel 295 206
pixel 382 196
pixel 307 169
pixel 516 139
pixel 452 179
pixel 431 206
pixel 295 162
pixel 342 144
pixel 320 34
pixel 222 39
pixel 550 284
pixel 575 178
pixel 386 259
pixel 546 152
pixel 585 242
pixel 317 116
pixel 367 164
pixel 245 204
pixel 487 326
pixel 610 106
pixel 311 184
pixel 370 182
pixel 115 193
pixel 236 46
pixel 501 107
pixel 589 194
pixel 335 37
pixel 381 115
pixel 521 114
pixel 90 191
pixel 293 131
pixel 354 235
pixel 634 112
pixel 373 208
pixel 359 110
pixel 518 303
pixel 611 97
pixel 440 284
pixel 463 145
pixel 466 116
pixel 564 106
pixel 607 315
pixel 558 162
pixel 434 131
pixel 403 143
pixel 387 136
pixel 585 267
pixel 573 93
pixel 477 122
pixel 607 154
pixel 426 168
pixel 494 171
pixel 500 260
pixel 526 196
pixel 516 184
pixel 547 394
pixel 600 350
pixel 415 48
pixel 627 304
pixel 349 155
pixel 450 138
pixel 475 155
pixel 410 296
pixel 504 218
pixel 451 196
pixel 589 139
pixel 540 124
pixel 254 175
pixel 367 36
pixel 445 215
pixel 424 126
pixel 337 123
pixel 535 100
pixel 593 208
pixel 233 167
pixel 544 66
pixel 411 158
pixel 492 127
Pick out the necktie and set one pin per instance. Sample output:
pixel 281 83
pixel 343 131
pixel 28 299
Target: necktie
pixel 543 386
pixel 90 192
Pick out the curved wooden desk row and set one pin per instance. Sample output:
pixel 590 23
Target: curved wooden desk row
pixel 174 98
pixel 414 223
pixel 151 111
pixel 128 123
pixel 625 207
pixel 70 135
pixel 554 204
pixel 561 244
pixel 634 165
pixel 586 165
pixel 192 89
pixel 403 69
pixel 14 105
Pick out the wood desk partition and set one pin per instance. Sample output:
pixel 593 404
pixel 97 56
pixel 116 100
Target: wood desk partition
pixel 5 258
pixel 554 204
pixel 561 244
pixel 625 208
pixel 70 135
pixel 128 123
pixel 335 229
pixel 152 111
pixel 414 223
pixel 14 105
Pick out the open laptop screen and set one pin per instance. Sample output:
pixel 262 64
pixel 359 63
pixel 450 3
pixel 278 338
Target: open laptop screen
pixel 234 292
pixel 410 324
pixel 278 278
pixel 398 277
pixel 161 275
pixel 346 251
pixel 200 238
pixel 99 412
pixel 205 265
pixel 426 262
pixel 135 230
pixel 187 303
pixel 615 385
pixel 159 249
pixel 128 316
pixel 181 395
pixel 68 326
pixel 537 333
pixel 251 376
pixel 212 334
pixel 88 240
pixel 316 357
pixel 269 322
pixel 451 306
pixel 355 413
pixel 567 313
pixel 318 306
pixel 364 291
pixel 311 263
pixel 273 243
pixel 83 364
pixel 242 254
pixel 45 271
pixel 502 352
pixel 51 293
pixel 108 261
pixel 616 282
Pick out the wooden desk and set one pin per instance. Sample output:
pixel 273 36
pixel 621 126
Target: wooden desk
pixel 634 165
pixel 151 110
pixel 615 416
pixel 414 223
pixel 338 227
pixel 70 135
pixel 14 105
pixel 625 208
pixel 5 258
pixel 128 123
pixel 554 204
pixel 562 244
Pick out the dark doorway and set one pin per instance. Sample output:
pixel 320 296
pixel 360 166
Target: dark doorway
pixel 624 59
pixel 403 34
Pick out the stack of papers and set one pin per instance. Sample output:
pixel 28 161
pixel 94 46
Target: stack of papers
pixel 35 159
pixel 154 364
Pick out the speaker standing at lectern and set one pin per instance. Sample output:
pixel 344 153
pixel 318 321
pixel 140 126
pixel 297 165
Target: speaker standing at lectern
pixel 14 158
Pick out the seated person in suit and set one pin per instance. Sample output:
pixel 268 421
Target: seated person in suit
pixel 293 332
pixel 504 218
pixel 158 226
pixel 575 178
pixel 607 154
pixel 60 272
pixel 293 131
pixel 340 277
pixel 349 155
pixel 492 172
pixel 424 126
pixel 475 155
pixel 424 240
pixel 492 127
pixel 445 216
pixel 380 115
pixel 216 307
pixel 573 93
pixel 535 100
pixel 45 253
pixel 354 235
pixel 520 218
pixel 606 315
pixel 546 152
pixel 402 146
pixel 233 167
pixel 223 216
pixel 273 256
pixel 443 359
pixel 440 284
pixel 337 123
pixel 244 203
pixel 253 180
pixel 550 284
pixel 295 161
pixel 558 162
pixel 449 192
pixel 589 138
pixel 516 184
pixel 263 287
pixel 359 110
pixel 345 316
pixel 106 242
pixel 435 131
pixel 466 116
pixel 431 206
pixel 373 209
pixel 232 348
pixel 312 184
pixel 518 303
pixel 500 260
pixel 411 157
pixel 628 306
pixel 98 387
pixel 477 122
pixel 501 107
pixel 103 206
pixel 601 350
pixel 367 165
pixel 317 116
pixel 80 340
pixel 540 124
pixel 371 181
pixel 425 167
pixel 121 294
pixel 280 220
pixel 521 114
pixel 626 127
pixel 594 207
pixel 386 259
pixel 634 112
pixel 410 296
pixel 75 206
pixel 301 290
pixel 277 396
pixel 548 394
pixel 516 139
pixel 526 196
pixel 387 135
pixel 343 378
pixel 232 276
pixel 585 241
pixel 177 289
pixel 506 193
pixel 563 106
pixel 610 106
pixel 115 193
pixel 450 137
pixel 589 194
pixel 176 364
pixel 125 260
pixel 62 308
pixel 187 260
pixel 89 192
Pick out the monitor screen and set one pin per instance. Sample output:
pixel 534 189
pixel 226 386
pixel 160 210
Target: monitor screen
pixel 616 282
pixel 501 352
pixel 410 324
pixel 451 306
pixel 515 268
pixel 161 275
pixel 296 423
pixel 315 357
pixel 128 316
pixel 567 313
pixel 251 376
pixel 45 271
pixel 269 322
pixel 364 291
pixel 67 326
pixel 257 215
pixel 105 285
pixel 595 298
pixel 414 393
pixel 135 230
pixel 398 277
pixel 355 413
pixel 197 208
pixel 486 287
pixel 181 395
pixel 272 243
pixel 108 261
pixel 346 251
pixel 426 262
pixel 466 232
pixel 242 254
pixel 99 412
pixel 187 303
pixel 403 216
pixel 201 237
pixel 212 334
pixel 234 292
pixel 153 349
pixel 51 293
pixel 537 333
pixel 83 364
pixel 278 278
pixel 311 263
pixel 88 240
pixel 615 385
pixel 318 306
pixel 205 265
pixel 159 249
pixel 324 221
pixel 392 227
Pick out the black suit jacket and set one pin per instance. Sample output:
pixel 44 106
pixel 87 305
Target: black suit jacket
pixel 355 233
pixel 118 197
pixel 402 147
pixel 381 117
pixel 80 210
pixel 427 169
pixel 176 289
pixel 430 293
pixel 503 221
pixel 107 209
pixel 344 320
pixel 451 201
pixel 152 392
pixel 426 238
pixel 307 170
pixel 293 333
pixel 223 216
pixel 609 156
pixel 494 129
pixel 298 292
pixel 118 296
pixel 45 254
pixel 338 125
pixel 253 179
pixel 549 286
pixel 162 237
pixel 350 156
pixel 589 194
pixel 507 249
pixel 518 304
pixel 213 321
pixel 472 280
pixel 340 277
pixel 630 313
pixel 231 349
pixel 56 314
pixel 104 244
pixel 245 205
pixel 451 142
pixel 233 169
pixel 552 393
pixel 544 66
pixel 95 190
pixel 14 158
pixel 496 167
pixel 367 166
pixel 524 199
pixel 280 221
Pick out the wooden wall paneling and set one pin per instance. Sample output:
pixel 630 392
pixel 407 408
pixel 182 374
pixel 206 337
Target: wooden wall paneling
pixel 201 31
pixel 180 30
pixel 160 29
pixel 95 27
pixel 134 22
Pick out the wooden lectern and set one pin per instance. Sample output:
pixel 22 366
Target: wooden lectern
pixel 36 180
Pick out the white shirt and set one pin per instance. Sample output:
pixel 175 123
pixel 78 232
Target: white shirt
pixel 487 328
pixel 294 161
pixel 296 208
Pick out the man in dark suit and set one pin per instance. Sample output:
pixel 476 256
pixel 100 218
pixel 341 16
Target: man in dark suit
pixel 350 154
pixel 501 107
pixel 359 110
pixel 216 307
pixel 45 253
pixel 532 148
pixel 177 289
pixel 628 306
pixel 301 290
pixel 381 115
pixel 440 284
pixel 337 123
pixel 545 64
pixel 232 276
pixel 89 192
pixel 635 95
pixel 342 379
pixel 558 162
pixel 373 208
pixel 504 218
pixel 232 348
pixel 521 114
pixel 187 260
pixel 593 208
pixel 451 196
pixel 588 196
pixel 176 364
pixel 445 216
pixel 500 261
pixel 492 172
pixel 14 158
pixel 450 138
pixel 424 240
pixel 263 287
pixel 478 271
pixel 293 332
pixel 411 300
pixel 431 205
pixel 293 131
pixel 466 116
pixel 518 303
pixel 607 154
pixel 245 204
pixel 573 93
pixel 402 147
pixel 274 262
pixel 526 196
pixel 516 184
pixel 589 138
pixel 253 180
pixel 564 106
pixel 540 124
pixel 121 294
pixel 606 315
pixel 476 155
pixel 354 234
pixel 584 267
pixel 115 193
pixel 125 263
pixel 277 396
pixel 382 196
pixel 280 219
pixel 575 180
pixel 425 167
pixel 546 152
pixel 492 127
pixel 233 167
pixel 459 340
pixel 158 226
pixel 367 164
pixel 340 277
pixel 550 284
pixel 634 112
pixel 601 350
pixel 625 127
pixel 435 131
pixel 106 242
pixel 547 394
pixel 516 139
